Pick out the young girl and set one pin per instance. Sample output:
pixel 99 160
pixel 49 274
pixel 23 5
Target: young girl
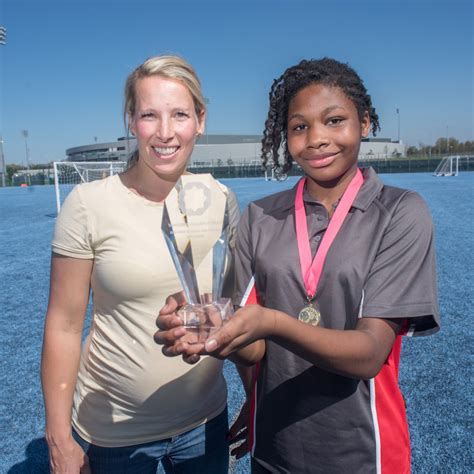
pixel 341 266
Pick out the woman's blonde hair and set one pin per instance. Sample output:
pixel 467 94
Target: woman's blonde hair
pixel 172 67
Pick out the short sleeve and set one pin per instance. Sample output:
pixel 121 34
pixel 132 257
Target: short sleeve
pixel 244 281
pixel 234 215
pixel 402 280
pixel 71 233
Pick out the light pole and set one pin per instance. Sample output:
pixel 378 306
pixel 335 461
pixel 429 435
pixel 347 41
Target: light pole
pixel 2 162
pixel 207 154
pixel 27 151
pixel 447 140
pixel 206 101
pixel 398 117
pixel 3 41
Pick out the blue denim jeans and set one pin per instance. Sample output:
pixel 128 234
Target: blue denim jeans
pixel 201 450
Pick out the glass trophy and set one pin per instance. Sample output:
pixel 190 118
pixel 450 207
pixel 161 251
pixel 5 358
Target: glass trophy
pixel 196 229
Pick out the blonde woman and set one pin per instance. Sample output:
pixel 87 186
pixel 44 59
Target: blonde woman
pixel 120 405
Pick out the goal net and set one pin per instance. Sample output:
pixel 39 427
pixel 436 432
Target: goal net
pixel 69 173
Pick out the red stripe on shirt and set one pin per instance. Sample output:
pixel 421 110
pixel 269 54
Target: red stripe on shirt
pixel 253 411
pixel 250 297
pixel 391 416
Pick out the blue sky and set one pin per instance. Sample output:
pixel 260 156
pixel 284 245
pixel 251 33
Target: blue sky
pixel 65 62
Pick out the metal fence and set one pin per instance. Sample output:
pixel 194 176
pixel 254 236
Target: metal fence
pixel 253 170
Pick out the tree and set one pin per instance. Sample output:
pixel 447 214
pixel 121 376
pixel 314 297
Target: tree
pixel 12 169
pixel 441 145
pixel 468 147
pixel 453 145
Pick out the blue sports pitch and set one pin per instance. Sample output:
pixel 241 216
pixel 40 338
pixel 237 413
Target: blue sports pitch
pixel 435 373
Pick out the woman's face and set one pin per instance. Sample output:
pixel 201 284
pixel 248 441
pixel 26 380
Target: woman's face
pixel 165 125
pixel 324 132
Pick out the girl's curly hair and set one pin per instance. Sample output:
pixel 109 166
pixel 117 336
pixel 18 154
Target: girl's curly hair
pixel 325 71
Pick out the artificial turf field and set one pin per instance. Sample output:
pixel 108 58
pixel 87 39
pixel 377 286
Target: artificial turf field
pixel 435 372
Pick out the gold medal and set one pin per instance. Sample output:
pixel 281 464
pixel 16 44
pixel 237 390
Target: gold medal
pixel 310 315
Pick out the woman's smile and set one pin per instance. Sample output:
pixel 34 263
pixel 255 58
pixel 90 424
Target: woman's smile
pixel 165 153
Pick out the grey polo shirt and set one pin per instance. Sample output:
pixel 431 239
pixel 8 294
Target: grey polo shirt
pixel 382 265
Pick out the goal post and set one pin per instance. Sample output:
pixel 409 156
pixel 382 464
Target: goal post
pixel 69 173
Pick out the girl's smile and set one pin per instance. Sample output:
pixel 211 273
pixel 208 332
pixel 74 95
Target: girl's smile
pixel 321 160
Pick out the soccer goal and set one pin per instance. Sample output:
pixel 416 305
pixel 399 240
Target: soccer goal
pixel 69 173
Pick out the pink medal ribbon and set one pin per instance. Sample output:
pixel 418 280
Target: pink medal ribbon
pixel 312 269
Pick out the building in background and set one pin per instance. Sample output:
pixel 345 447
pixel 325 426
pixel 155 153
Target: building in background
pixel 223 150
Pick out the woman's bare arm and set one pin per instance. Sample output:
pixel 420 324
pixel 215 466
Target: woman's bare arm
pixel 68 299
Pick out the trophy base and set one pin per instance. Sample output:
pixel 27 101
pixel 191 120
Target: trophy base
pixel 201 320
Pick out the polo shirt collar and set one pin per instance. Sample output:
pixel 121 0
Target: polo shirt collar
pixel 367 194
pixel 369 191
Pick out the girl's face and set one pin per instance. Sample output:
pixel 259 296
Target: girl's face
pixel 165 125
pixel 324 132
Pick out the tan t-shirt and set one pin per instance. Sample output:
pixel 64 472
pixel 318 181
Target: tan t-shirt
pixel 128 392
